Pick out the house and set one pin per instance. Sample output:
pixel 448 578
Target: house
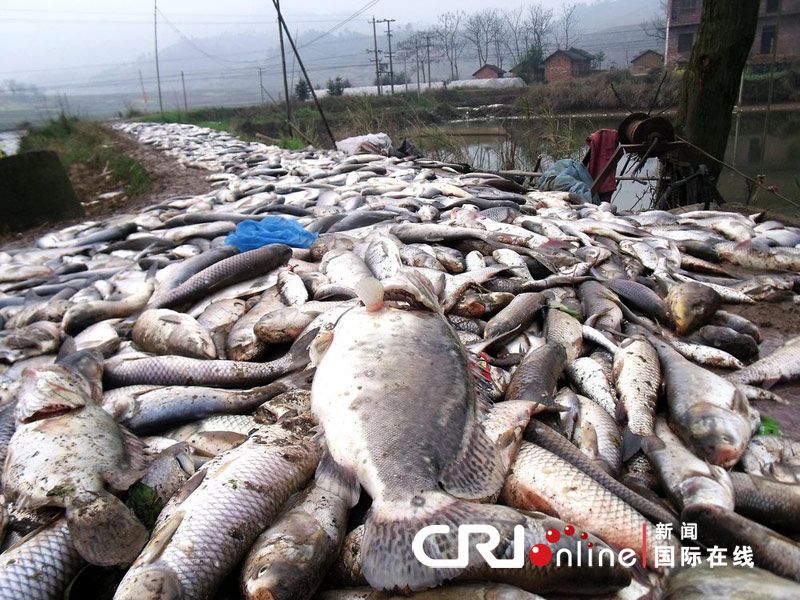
pixel 488 72
pixel 778 23
pixel 563 65
pixel 646 61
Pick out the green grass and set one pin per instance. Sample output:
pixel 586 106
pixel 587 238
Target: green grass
pixel 86 142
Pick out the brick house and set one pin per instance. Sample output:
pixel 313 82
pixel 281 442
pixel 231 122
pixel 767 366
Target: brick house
pixel 488 72
pixel 646 61
pixel 563 65
pixel 683 20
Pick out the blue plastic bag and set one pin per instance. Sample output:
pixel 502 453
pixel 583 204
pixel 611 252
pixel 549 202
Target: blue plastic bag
pixel 250 235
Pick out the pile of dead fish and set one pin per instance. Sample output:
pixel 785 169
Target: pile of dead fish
pixel 453 349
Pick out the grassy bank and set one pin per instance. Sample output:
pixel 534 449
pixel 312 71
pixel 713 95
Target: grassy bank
pixel 404 113
pixel 87 147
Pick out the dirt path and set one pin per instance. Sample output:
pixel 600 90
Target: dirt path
pixel 168 178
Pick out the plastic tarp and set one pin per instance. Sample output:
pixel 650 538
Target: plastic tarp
pixel 372 143
pixel 568 175
pixel 250 235
pixel 487 84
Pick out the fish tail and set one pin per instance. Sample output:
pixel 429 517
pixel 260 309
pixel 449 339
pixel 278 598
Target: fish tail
pixel 104 531
pixel 388 547
pixel 631 443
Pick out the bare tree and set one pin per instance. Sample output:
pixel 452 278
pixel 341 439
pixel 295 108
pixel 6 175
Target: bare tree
pixel 479 33
pixel 448 38
pixel 498 32
pixel 515 36
pixel 539 25
pixel 566 30
pixel 656 26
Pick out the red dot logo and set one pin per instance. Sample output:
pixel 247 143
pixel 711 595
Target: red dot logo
pixel 569 530
pixel 540 555
pixel 589 545
pixel 584 535
pixel 552 536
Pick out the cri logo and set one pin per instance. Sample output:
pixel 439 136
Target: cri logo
pixel 540 555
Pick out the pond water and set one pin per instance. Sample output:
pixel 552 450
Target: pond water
pixel 9 141
pixel 518 143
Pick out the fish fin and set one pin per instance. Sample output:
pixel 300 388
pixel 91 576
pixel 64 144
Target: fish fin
pixel 631 443
pixel 161 537
pixel 589 441
pixel 135 449
pixel 300 350
pixel 338 480
pixel 104 531
pixel 651 443
pixel 478 473
pixel 170 319
pixel 387 548
pixel 67 347
pixel 740 403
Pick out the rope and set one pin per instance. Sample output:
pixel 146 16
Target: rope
pixel 738 172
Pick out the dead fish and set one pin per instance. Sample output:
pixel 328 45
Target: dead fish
pixel 208 526
pixel 225 272
pixel 539 480
pixel 536 377
pixel 64 452
pixel 773 503
pixel 148 408
pixel 782 365
pixel 708 412
pixel 774 456
pixel 26 342
pixel 519 312
pixel 366 359
pixel 687 479
pixel 590 379
pixel 637 378
pixel 218 319
pixel 289 560
pixel 41 564
pixel 164 331
pixel 690 306
pixel 702 581
pixel 772 551
pixel 179 370
pixel 740 345
pixel 565 330
pixel 597 435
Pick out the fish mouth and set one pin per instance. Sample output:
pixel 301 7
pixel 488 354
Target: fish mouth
pixel 726 456
pixel 47 412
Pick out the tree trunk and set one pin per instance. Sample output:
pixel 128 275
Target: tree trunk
pixel 711 81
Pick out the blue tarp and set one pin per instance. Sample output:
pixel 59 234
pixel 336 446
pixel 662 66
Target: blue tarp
pixel 568 175
pixel 250 235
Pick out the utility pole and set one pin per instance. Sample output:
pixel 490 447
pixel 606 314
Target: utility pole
pixel 404 72
pixel 389 36
pixel 261 85
pixel 283 64
pixel 305 73
pixel 158 72
pixel 416 54
pixel 183 85
pixel 428 50
pixel 141 81
pixel 377 64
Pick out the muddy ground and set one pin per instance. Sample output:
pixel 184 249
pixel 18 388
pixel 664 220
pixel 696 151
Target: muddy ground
pixel 779 321
pixel 168 178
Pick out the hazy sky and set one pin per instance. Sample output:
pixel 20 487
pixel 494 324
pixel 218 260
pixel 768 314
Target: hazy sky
pixel 43 40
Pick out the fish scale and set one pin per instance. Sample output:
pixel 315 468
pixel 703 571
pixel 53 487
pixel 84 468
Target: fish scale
pixel 200 537
pixel 40 566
